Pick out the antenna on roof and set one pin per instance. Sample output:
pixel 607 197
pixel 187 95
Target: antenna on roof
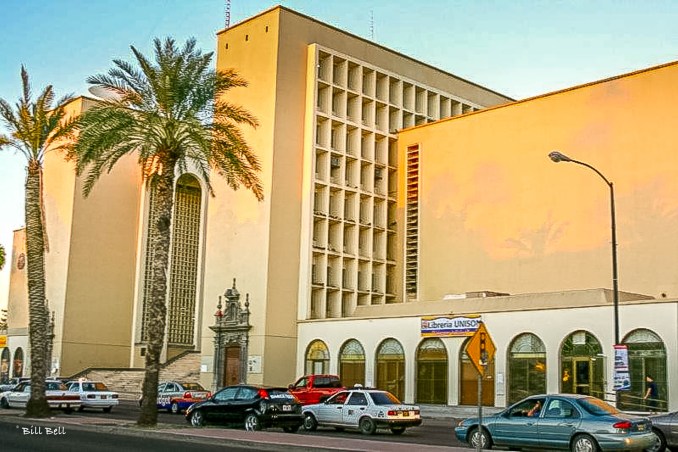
pixel 372 24
pixel 227 22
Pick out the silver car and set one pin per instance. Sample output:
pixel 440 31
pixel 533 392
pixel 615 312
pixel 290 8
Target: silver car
pixel 665 428
pixel 363 409
pixel 560 421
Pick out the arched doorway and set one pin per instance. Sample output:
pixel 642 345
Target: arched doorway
pixel 526 367
pixel 4 365
pixel 352 363
pixel 317 358
pixel 391 367
pixel 468 380
pixel 18 365
pixel 432 372
pixel 582 365
pixel 647 356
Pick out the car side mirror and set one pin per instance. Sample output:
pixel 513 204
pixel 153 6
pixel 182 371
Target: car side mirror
pixel 290 386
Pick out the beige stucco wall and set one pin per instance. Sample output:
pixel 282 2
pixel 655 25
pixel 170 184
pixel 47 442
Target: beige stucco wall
pixel 17 303
pixel 497 214
pixel 91 263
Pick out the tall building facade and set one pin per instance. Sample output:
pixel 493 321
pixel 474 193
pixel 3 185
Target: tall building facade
pixel 324 240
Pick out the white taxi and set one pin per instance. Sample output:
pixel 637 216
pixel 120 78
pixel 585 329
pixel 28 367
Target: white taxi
pixel 363 409
pixel 94 394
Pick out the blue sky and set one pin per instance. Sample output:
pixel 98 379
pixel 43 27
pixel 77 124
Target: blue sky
pixel 520 48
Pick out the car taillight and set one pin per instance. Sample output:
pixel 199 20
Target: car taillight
pixel 623 425
pixel 263 393
pixel 91 396
pixel 392 413
pixel 416 412
pixel 114 396
pixel 187 395
pixel 209 394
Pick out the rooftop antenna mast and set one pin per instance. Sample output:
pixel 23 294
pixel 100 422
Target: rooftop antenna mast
pixel 227 22
pixel 372 25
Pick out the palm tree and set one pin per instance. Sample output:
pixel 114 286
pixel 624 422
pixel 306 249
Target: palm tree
pixel 172 115
pixel 34 128
pixel 2 253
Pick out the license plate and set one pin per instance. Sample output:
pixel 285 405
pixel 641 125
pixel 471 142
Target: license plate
pixel 287 407
pixel 641 427
pixel 103 396
pixel 406 413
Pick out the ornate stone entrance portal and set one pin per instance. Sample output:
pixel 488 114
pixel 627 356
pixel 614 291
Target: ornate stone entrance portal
pixel 231 328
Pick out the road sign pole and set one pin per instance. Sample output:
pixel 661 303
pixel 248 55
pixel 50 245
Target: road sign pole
pixel 479 445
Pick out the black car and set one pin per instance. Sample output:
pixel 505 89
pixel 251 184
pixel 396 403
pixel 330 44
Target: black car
pixel 254 406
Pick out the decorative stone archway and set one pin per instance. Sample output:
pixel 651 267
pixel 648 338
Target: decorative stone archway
pixel 231 339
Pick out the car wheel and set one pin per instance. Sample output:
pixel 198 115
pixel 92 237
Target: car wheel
pixel 108 409
pixel 293 429
pixel 584 443
pixel 367 426
pixel 252 422
pixel 659 442
pixel 174 408
pixel 310 424
pixel 197 418
pixel 480 436
pixel 397 430
pixel 4 403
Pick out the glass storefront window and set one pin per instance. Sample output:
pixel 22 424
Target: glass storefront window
pixel 582 365
pixel 526 367
pixel 391 368
pixel 317 358
pixel 18 367
pixel 432 372
pixel 647 356
pixel 352 364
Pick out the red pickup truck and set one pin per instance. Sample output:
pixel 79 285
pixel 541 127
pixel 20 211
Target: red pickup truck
pixel 315 388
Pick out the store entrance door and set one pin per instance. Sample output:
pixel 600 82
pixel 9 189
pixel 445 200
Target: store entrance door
pixel 582 376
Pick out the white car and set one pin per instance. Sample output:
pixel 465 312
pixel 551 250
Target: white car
pixel 94 394
pixel 57 394
pixel 364 409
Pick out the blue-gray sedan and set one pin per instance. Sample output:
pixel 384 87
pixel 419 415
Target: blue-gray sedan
pixel 665 427
pixel 560 421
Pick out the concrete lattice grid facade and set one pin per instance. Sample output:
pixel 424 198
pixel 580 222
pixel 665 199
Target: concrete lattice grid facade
pixel 324 240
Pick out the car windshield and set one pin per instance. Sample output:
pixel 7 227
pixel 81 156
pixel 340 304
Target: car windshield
pixel 597 407
pixel 384 398
pixel 192 387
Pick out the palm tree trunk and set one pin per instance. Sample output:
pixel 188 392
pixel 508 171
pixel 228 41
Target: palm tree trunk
pixel 163 185
pixel 38 316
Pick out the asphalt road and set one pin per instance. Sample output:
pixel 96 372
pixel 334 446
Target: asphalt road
pixel 22 436
pixel 436 432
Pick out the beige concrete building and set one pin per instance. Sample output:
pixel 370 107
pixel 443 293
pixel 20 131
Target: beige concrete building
pixel 396 196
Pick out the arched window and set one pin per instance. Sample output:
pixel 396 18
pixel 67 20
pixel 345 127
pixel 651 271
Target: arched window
pixel 352 363
pixel 18 365
pixel 432 372
pixel 647 357
pixel 317 358
pixel 526 367
pixel 582 365
pixel 4 365
pixel 391 367
pixel 183 284
pixel 468 380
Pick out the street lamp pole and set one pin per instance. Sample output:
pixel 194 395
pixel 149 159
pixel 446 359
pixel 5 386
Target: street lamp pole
pixel 558 157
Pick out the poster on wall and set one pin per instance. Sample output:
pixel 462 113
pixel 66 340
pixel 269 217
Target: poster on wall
pixel 622 377
pixel 447 326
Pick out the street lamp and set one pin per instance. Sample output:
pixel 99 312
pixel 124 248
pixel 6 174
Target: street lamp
pixel 558 157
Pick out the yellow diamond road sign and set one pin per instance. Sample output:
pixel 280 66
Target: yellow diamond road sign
pixel 480 349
